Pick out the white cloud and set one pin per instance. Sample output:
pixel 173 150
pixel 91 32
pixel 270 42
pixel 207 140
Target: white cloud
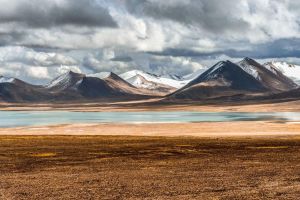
pixel 34 66
pixel 31 57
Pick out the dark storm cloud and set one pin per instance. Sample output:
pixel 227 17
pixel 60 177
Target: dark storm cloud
pixel 122 59
pixel 281 48
pixel 183 53
pixel 47 49
pixel 7 37
pixel 211 15
pixel 45 14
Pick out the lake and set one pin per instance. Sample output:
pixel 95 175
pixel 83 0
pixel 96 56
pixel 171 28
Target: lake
pixel 42 118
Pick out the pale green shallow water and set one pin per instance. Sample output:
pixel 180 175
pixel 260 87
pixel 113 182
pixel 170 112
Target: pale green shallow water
pixel 39 118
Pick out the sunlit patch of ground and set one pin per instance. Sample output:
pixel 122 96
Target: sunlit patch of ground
pixel 43 155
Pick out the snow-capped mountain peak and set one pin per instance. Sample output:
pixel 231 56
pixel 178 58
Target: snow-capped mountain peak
pixel 270 77
pixel 132 73
pixel 140 82
pixel 65 80
pixel 59 79
pixel 289 70
pixel 217 66
pixel 248 65
pixel 142 79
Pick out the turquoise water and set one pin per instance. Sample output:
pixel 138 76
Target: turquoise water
pixel 39 118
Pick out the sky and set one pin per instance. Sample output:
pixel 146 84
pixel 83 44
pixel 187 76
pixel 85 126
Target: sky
pixel 40 40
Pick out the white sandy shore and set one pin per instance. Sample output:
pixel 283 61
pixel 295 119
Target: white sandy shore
pixel 213 129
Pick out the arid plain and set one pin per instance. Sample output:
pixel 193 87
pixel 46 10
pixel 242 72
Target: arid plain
pixel 123 167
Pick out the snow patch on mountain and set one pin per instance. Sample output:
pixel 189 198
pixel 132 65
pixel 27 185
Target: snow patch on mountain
pixel 134 78
pixel 64 81
pixel 140 82
pixel 249 69
pixel 65 78
pixel 211 73
pixel 289 70
pixel 6 79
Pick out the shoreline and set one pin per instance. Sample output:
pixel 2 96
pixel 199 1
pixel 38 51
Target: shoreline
pixel 204 129
pixel 201 129
pixel 140 106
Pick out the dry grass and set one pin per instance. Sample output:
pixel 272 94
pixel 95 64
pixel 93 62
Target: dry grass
pixel 123 167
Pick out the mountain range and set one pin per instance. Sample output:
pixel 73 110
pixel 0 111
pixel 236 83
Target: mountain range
pixel 224 80
pixel 228 79
pixel 71 86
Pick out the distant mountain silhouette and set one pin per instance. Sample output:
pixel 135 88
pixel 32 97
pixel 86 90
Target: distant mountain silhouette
pixel 70 86
pixel 15 90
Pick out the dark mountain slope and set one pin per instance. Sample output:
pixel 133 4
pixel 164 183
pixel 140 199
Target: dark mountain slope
pixel 223 79
pixel 274 81
pixel 70 87
pixel 16 90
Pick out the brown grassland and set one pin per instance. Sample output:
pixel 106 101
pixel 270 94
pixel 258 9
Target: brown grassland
pixel 133 167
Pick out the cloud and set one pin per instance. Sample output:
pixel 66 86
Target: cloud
pixel 32 66
pixel 122 59
pixel 7 36
pixel 95 65
pixel 51 13
pixel 147 25
pixel 30 57
pixel 66 24
pixel 40 39
pixel 208 14
pixel 173 65
pixel 252 20
pixel 280 48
